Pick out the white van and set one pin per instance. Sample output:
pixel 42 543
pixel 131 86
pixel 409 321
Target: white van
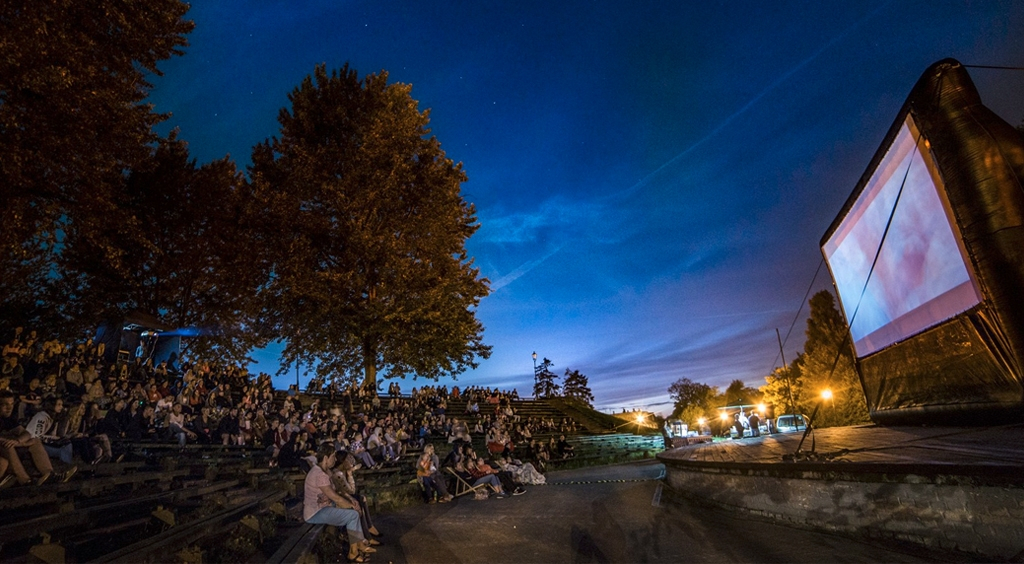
pixel 790 423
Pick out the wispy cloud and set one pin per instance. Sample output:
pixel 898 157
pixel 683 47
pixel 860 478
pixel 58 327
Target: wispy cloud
pixel 557 217
pixel 522 270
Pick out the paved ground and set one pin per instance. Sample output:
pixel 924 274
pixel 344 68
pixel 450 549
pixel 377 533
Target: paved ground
pixel 609 514
pixel 976 446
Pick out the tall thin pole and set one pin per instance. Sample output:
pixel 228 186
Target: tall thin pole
pixel 535 369
pixel 789 387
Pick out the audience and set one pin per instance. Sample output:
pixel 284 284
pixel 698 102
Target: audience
pixel 67 404
pixel 14 437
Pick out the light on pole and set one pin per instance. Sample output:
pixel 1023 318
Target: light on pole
pixel 535 383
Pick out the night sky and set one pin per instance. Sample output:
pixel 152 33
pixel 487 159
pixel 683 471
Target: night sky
pixel 652 179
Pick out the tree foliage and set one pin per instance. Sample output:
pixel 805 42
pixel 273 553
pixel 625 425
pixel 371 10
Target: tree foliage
pixel 544 380
pixel 693 400
pixel 577 385
pixel 366 229
pixel 198 265
pixel 72 122
pixel 783 387
pixel 826 363
pixel 739 393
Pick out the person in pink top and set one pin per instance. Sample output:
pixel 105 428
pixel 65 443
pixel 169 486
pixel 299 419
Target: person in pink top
pixel 324 506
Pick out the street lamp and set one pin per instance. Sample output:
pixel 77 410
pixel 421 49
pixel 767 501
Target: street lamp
pixel 535 362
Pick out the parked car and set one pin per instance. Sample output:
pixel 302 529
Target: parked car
pixel 790 423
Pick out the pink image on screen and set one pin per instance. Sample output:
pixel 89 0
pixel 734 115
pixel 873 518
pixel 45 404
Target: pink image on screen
pixel 921 278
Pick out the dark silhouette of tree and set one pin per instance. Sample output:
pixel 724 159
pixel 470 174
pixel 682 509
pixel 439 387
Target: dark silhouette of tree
pixel 366 230
pixel 693 400
pixel 544 380
pixel 73 80
pixel 576 385
pixel 199 265
pixel 825 364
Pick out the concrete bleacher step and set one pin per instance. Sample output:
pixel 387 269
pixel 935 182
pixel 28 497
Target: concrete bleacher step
pixel 298 545
pixel 176 538
pixel 73 517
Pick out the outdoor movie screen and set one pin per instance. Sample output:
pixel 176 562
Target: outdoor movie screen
pixel 921 277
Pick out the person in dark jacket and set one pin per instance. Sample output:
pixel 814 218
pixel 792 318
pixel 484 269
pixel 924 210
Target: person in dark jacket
pixel 202 426
pixel 115 422
pixel 229 428
pixel 141 425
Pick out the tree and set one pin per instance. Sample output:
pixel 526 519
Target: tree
pixel 72 122
pixel 739 393
pixel 366 229
pixel 693 400
pixel 783 387
pixel 199 265
pixel 577 386
pixel 827 363
pixel 544 384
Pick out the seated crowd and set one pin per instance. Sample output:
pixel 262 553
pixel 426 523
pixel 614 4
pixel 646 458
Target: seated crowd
pixel 381 434
pixel 63 404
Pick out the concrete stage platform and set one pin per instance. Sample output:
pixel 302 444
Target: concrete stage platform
pixel 951 488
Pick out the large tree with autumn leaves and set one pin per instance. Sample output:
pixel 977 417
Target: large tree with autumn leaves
pixel 365 227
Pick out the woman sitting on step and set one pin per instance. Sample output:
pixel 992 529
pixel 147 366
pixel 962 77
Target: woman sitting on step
pixel 344 481
pixel 323 506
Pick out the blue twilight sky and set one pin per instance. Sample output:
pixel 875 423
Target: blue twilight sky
pixel 652 179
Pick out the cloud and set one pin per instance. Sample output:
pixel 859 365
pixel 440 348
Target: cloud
pixel 521 270
pixel 559 217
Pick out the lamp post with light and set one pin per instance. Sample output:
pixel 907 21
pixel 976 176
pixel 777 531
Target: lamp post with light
pixel 535 372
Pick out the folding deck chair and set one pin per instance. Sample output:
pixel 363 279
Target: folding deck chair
pixel 463 487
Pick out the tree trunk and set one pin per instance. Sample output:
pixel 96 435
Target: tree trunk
pixel 370 367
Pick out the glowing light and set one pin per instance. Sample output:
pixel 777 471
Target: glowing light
pixel 761 408
pixel 639 419
pixel 724 416
pixel 701 421
pixel 826 394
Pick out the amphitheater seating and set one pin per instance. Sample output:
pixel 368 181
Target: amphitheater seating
pixel 119 498
pixel 298 545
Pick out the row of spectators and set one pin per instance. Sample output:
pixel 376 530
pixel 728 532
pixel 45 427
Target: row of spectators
pixel 78 411
pixel 66 402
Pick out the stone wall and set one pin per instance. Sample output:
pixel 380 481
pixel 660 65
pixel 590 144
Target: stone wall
pixel 929 510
